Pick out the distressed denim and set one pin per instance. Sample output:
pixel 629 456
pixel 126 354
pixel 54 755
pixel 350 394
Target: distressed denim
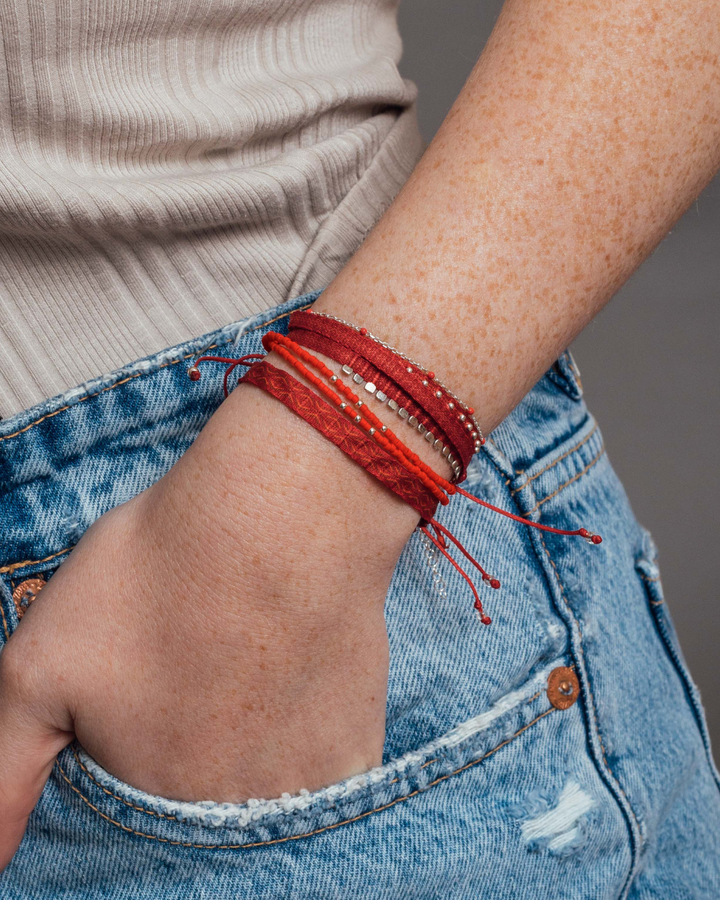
pixel 488 788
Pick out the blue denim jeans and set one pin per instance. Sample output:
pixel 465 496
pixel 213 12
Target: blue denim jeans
pixel 501 778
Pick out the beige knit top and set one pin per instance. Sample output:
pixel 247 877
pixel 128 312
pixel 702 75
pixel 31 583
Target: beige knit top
pixel 169 166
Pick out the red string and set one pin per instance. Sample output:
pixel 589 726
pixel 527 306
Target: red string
pixel 194 372
pixel 580 532
pixel 485 619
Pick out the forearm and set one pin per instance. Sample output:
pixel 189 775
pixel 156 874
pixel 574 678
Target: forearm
pixel 582 134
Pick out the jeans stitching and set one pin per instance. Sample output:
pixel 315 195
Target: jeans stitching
pixel 572 480
pixel 5 624
pixel 295 837
pixel 554 462
pixel 591 705
pixel 12 567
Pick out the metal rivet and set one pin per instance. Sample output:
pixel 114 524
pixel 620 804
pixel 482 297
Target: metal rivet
pixel 438 444
pixel 445 450
pixel 563 687
pixel 26 592
pixel 429 437
pixel 421 428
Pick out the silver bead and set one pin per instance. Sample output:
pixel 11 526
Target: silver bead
pixel 429 437
pixel 421 428
pixel 370 387
pixel 425 382
pixel 409 369
pixel 371 432
pixel 347 370
pixel 384 429
pixel 343 405
pixel 462 417
pixel 381 396
pixel 451 405
pixel 403 413
pixel 333 378
pixel 358 418
pixel 358 379
pixel 473 434
pixel 438 444
pixel 451 459
pixel 438 394
pixel 412 421
pixel 359 403
pixel 445 450
pixel 393 404
pixel 468 425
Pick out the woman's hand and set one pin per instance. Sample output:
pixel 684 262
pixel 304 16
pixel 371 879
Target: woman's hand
pixel 221 636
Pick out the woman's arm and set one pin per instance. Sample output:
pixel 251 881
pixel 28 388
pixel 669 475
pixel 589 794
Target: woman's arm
pixel 582 134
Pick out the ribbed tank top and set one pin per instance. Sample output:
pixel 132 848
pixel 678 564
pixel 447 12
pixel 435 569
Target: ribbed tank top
pixel 169 166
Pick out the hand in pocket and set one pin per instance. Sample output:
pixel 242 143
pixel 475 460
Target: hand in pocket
pixel 220 636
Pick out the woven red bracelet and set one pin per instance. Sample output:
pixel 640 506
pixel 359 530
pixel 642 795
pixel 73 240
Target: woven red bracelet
pixel 358 411
pixel 411 379
pixel 344 434
pixel 381 386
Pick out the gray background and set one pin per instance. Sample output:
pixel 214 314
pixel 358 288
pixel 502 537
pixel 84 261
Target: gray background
pixel 650 364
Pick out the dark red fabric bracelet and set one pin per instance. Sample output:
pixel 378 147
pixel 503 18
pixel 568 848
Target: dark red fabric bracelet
pixel 369 372
pixel 344 434
pixel 396 368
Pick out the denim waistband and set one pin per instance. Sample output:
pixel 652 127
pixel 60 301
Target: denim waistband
pixel 150 408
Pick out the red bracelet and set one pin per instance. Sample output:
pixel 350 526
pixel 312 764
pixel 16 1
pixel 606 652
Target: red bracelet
pixel 360 414
pixel 384 389
pixel 337 428
pixel 456 420
pixel 392 463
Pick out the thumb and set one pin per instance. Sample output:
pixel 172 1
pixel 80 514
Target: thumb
pixel 29 743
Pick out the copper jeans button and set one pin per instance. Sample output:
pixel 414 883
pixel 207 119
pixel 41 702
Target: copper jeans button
pixel 563 687
pixel 26 592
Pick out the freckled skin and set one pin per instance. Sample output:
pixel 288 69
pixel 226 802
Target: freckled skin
pixel 583 133
pixel 233 643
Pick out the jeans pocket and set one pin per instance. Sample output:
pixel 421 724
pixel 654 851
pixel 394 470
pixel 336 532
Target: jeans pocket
pixel 646 566
pixel 86 795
